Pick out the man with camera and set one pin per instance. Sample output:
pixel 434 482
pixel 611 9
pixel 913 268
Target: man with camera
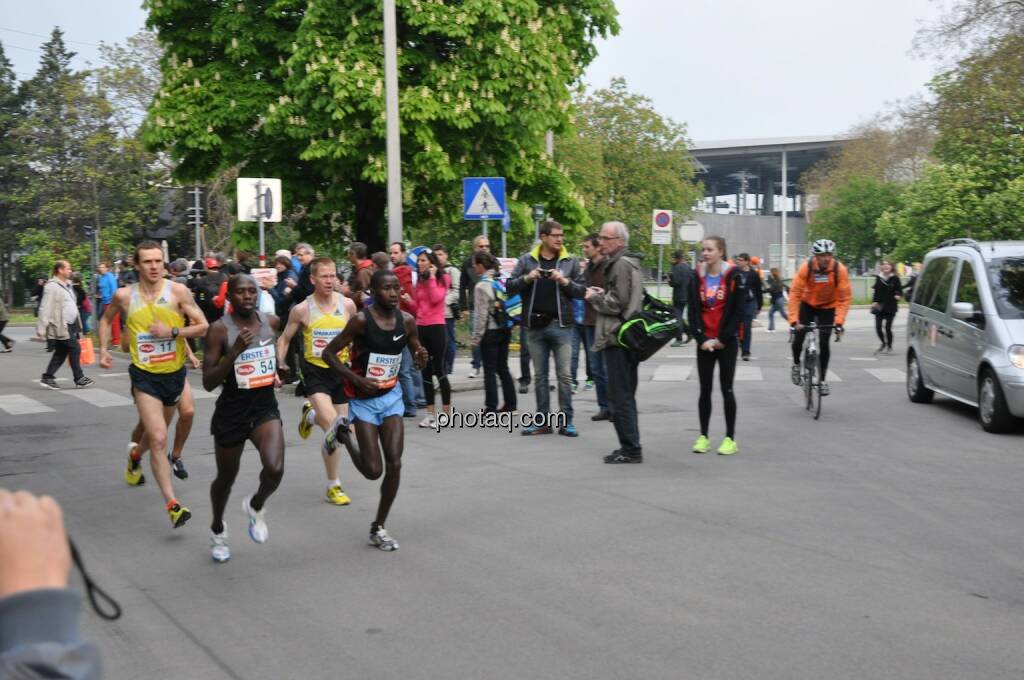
pixel 548 278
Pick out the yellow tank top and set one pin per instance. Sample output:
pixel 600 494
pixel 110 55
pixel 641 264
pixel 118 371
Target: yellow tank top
pixel 155 355
pixel 322 328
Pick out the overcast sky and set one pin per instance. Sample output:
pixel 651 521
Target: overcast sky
pixel 729 70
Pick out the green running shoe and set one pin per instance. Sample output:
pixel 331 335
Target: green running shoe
pixel 728 447
pixel 701 445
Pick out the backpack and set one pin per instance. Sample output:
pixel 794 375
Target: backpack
pixel 506 311
pixel 649 329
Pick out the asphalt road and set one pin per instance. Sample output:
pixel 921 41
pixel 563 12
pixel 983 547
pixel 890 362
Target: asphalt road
pixel 882 541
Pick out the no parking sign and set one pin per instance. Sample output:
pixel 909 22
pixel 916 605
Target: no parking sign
pixel 661 227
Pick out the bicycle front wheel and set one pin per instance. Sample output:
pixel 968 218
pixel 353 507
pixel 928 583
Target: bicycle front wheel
pixel 816 394
pixel 810 368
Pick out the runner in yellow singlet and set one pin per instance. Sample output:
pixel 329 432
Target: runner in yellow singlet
pixel 154 310
pixel 320 318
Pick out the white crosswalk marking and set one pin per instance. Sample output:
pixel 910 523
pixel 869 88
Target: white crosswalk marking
pixel 670 373
pixel 101 398
pixel 749 374
pixel 18 405
pixel 832 377
pixel 888 375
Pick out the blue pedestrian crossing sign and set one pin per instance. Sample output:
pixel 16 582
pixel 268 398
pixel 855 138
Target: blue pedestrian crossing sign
pixel 483 198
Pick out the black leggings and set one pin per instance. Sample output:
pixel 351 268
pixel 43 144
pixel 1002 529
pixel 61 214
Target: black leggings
pixel 886 338
pixel 726 360
pixel 824 317
pixel 435 340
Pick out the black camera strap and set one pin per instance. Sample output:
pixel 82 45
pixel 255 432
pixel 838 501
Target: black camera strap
pixel 95 593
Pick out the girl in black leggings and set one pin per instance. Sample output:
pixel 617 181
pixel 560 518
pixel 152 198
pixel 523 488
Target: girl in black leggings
pixel 714 320
pixel 885 303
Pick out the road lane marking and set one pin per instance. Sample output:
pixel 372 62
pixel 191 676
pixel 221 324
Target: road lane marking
pixel 832 377
pixel 670 373
pixel 19 405
pixel 749 374
pixel 100 398
pixel 888 375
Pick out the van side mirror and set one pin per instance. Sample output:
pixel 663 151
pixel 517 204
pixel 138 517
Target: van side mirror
pixel 965 311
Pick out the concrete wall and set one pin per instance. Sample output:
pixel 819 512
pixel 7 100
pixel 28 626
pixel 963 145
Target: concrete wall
pixel 753 234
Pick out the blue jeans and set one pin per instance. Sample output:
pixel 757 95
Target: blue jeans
pixel 449 359
pixel 779 305
pixel 476 361
pixel 552 339
pixel 577 338
pixel 598 373
pixel 405 373
pixel 749 312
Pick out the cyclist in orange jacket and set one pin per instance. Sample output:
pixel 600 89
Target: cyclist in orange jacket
pixel 821 293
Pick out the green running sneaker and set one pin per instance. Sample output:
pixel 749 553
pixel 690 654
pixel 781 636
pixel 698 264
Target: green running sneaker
pixel 728 447
pixel 701 445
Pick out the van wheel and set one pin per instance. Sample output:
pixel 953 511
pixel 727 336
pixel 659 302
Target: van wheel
pixel 918 393
pixel 992 411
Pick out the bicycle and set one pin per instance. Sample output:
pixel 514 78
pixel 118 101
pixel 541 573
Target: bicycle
pixel 811 377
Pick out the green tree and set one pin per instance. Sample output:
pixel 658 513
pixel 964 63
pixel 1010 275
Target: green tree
pixel 294 89
pixel 12 167
pixel 626 160
pixel 978 190
pixel 851 216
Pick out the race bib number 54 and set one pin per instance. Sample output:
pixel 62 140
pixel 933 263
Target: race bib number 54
pixel 154 350
pixel 383 369
pixel 256 367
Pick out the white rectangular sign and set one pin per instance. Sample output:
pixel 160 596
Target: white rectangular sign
pixel 256 194
pixel 661 227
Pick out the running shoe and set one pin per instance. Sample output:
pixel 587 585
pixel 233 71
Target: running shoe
pixel 825 389
pixel 429 421
pixel 617 457
pixel 50 383
pixel 728 447
pixel 341 432
pixel 568 431
pixel 535 430
pixel 379 537
pixel 337 496
pixel 589 385
pixel 84 381
pixel 702 445
pixel 178 514
pixel 880 350
pixel 794 375
pixel 219 550
pixel 177 467
pixel 133 473
pixel 575 387
pixel 330 442
pixel 475 373
pixel 258 530
pixel 305 427
pixel 524 387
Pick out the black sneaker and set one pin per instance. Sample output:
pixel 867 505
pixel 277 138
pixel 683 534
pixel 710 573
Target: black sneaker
pixel 746 357
pixel 524 387
pixel 84 381
pixel 51 383
pixel 177 467
pixel 620 458
pixel 603 414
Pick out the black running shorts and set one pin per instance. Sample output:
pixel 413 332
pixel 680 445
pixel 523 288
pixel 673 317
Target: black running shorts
pixel 324 380
pixel 167 387
pixel 231 432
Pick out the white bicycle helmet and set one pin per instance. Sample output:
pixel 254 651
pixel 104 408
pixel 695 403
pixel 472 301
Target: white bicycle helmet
pixel 823 246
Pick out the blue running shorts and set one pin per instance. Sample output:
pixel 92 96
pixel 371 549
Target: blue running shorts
pixel 376 409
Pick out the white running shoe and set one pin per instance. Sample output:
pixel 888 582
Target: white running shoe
pixel 429 421
pixel 219 550
pixel 258 530
pixel 381 539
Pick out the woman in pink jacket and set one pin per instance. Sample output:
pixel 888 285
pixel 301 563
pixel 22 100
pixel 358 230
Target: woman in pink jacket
pixel 428 305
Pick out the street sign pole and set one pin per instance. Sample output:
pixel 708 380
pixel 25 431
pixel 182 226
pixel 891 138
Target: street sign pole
pixel 661 257
pixel 259 212
pixel 485 230
pixel 197 219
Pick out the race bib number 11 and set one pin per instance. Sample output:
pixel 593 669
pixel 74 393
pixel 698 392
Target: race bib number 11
pixel 152 350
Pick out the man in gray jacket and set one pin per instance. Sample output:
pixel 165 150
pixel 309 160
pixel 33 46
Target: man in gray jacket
pixel 547 278
pixel 58 321
pixel 622 297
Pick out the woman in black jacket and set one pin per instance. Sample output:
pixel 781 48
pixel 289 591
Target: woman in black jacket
pixel 884 303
